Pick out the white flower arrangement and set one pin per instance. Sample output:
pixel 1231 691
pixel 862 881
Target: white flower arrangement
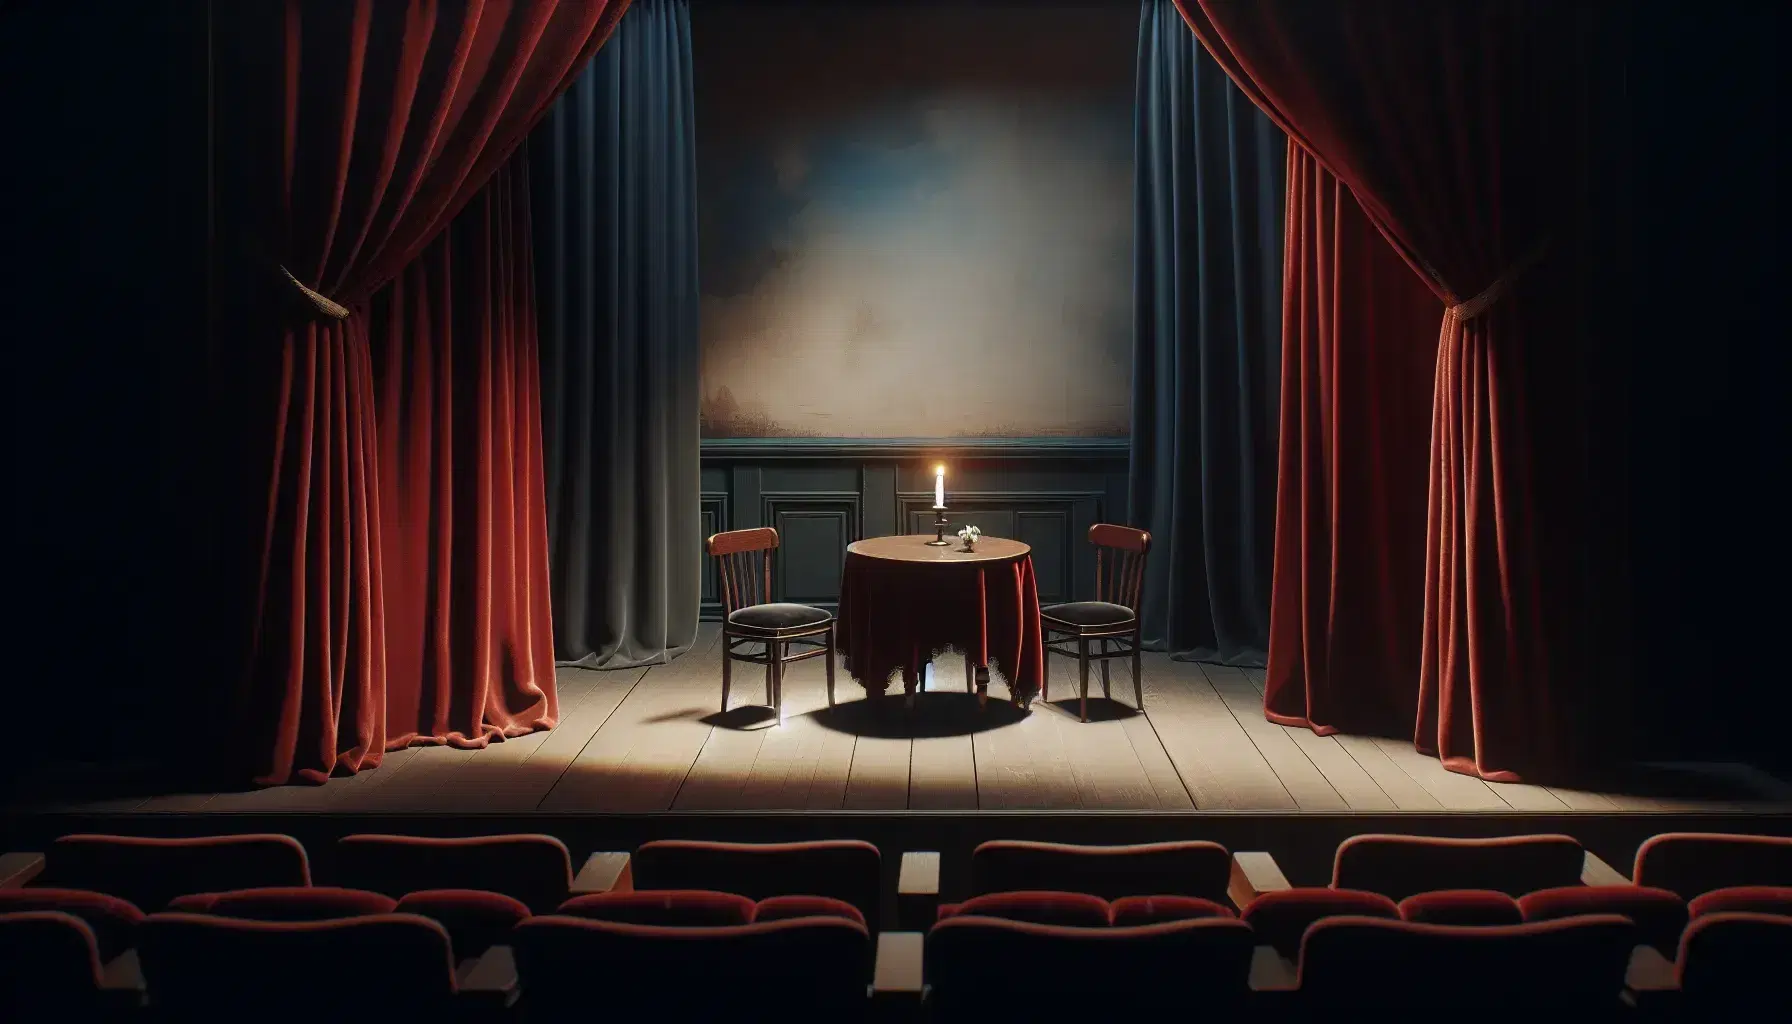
pixel 969 535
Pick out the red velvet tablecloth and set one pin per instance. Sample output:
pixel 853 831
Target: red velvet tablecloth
pixel 896 614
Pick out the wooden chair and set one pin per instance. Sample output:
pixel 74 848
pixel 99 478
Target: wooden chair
pixel 1111 618
pixel 752 619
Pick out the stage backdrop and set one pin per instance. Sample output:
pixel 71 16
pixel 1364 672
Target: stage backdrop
pixel 915 221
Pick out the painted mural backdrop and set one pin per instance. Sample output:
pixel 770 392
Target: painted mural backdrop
pixel 915 221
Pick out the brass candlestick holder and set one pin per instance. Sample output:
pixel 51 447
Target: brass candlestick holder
pixel 939 529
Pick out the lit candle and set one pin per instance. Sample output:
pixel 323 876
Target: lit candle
pixel 939 487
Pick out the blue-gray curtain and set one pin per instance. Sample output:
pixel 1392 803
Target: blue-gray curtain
pixel 613 174
pixel 1208 210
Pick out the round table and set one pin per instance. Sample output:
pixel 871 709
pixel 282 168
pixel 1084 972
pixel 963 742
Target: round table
pixel 903 601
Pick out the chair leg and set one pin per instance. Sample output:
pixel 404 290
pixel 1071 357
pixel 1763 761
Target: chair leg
pixel 777 653
pixel 970 674
pixel 727 670
pixel 1138 677
pixel 1082 671
pixel 1045 674
pixel 830 657
pixel 770 670
pixel 1105 691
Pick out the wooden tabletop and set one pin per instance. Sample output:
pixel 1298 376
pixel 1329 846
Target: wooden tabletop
pixel 914 548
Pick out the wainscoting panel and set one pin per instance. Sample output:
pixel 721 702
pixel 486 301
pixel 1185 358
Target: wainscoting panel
pixel 822 494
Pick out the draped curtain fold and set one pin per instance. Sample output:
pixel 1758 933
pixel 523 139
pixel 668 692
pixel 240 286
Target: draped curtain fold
pixel 457 400
pixel 1452 124
pixel 1208 206
pixel 349 135
pixel 614 177
pixel 1359 331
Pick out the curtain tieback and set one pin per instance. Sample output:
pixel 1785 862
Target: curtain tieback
pixel 1497 290
pixel 325 305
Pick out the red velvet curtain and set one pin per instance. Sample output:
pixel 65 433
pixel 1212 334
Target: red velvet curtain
pixel 349 134
pixel 1348 598
pixel 469 651
pixel 1450 124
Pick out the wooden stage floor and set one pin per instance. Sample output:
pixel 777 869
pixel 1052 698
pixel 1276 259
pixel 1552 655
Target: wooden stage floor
pixel 652 740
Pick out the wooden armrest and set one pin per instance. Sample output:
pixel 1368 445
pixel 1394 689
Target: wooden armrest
pixel 1651 983
pixel 918 891
pixel 1271 973
pixel 121 981
pixel 18 869
pixel 897 976
pixel 1594 871
pixel 603 872
pixel 1253 874
pixel 489 979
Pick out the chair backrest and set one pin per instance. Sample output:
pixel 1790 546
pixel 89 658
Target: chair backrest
pixel 744 558
pixel 810 968
pixel 1119 562
pixel 1660 916
pixel 845 869
pixel 1461 906
pixel 1281 917
pixel 151 871
pixel 984 968
pixel 113 921
pixel 197 966
pixel 311 903
pixel 49 965
pixel 1359 964
pixel 1737 961
pixel 1694 863
pixel 536 869
pixel 1186 868
pixel 1400 866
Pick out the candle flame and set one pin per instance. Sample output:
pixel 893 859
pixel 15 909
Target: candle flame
pixel 939 471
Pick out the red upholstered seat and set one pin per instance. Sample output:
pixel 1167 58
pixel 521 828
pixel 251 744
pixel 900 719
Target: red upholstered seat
pixel 307 903
pixel 200 966
pixel 1461 906
pixel 1132 911
pixel 1280 918
pixel 1659 915
pixel 1068 909
pixel 1732 966
pixel 1192 868
pixel 844 869
pixel 151 871
pixel 667 907
pixel 1400 866
pixel 1360 965
pixel 536 869
pixel 811 968
pixel 49 966
pixel 475 920
pixel 113 921
pixel 984 969
pixel 1694 863
pixel 1747 899
pixel 784 908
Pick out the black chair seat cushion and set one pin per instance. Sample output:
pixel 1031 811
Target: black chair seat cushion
pixel 1088 613
pixel 779 616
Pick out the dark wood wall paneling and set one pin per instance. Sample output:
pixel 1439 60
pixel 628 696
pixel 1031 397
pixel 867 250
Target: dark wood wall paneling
pixel 822 495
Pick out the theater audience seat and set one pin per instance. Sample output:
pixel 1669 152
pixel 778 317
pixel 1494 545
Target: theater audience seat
pixel 1461 907
pixel 844 869
pixel 52 969
pixel 149 872
pixel 202 966
pixel 535 869
pixel 1694 863
pixel 1355 965
pixel 1189 868
pixel 1751 899
pixel 475 920
pixel 112 921
pixel 1399 866
pixel 1659 915
pixel 1732 966
pixel 1081 910
pixel 985 969
pixel 810 968
pixel 309 903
